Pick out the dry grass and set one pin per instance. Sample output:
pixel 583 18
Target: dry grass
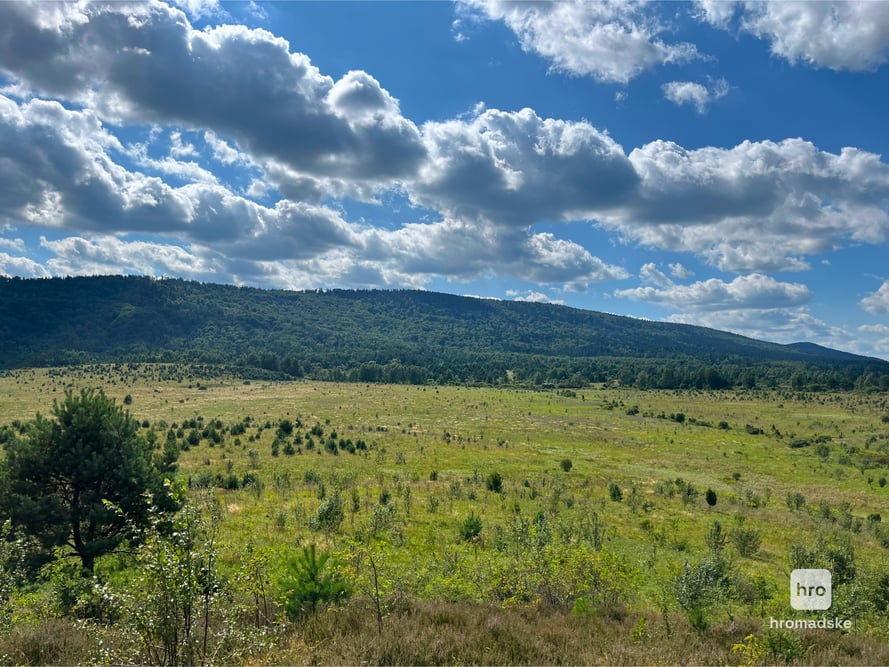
pixel 467 633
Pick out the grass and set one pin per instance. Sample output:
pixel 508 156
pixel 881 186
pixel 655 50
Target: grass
pixel 429 453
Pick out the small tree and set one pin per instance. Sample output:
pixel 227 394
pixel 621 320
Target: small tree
pixel 746 541
pixel 716 538
pixel 494 482
pixel 311 583
pixel 699 588
pixel 471 527
pixel 329 514
pixel 56 480
pixel 710 496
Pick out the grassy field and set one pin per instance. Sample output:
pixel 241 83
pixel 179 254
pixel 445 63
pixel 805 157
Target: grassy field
pixel 591 503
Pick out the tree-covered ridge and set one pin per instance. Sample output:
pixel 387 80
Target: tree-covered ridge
pixel 394 336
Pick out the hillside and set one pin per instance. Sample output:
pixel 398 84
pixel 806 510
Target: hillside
pixel 393 336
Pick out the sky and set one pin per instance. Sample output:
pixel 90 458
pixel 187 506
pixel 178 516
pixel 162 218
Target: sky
pixel 713 163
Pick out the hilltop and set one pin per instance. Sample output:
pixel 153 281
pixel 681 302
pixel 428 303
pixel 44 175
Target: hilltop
pixel 404 336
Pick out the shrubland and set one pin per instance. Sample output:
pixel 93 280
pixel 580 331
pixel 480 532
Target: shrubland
pixel 364 523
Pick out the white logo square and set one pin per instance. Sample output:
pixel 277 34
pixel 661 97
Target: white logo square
pixel 810 589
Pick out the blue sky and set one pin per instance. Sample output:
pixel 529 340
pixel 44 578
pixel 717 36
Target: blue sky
pixel 715 163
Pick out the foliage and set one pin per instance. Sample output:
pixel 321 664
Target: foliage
pixel 710 497
pixel 59 477
pixel 832 552
pixel 746 540
pixel 715 539
pixel 12 568
pixel 382 336
pixel 329 514
pixel 311 581
pixel 179 603
pixel 699 588
pixel 471 527
pixel 494 482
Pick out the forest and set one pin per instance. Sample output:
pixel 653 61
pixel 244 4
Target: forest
pixel 400 336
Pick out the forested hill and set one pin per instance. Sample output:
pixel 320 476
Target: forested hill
pixel 392 336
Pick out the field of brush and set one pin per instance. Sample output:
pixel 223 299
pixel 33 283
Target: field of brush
pixel 508 525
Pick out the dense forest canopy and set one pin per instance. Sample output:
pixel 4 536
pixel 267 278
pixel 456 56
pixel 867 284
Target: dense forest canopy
pixel 401 336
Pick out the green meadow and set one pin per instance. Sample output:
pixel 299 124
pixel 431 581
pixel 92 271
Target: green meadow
pixel 497 525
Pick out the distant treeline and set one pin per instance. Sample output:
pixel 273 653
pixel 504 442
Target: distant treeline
pixel 401 336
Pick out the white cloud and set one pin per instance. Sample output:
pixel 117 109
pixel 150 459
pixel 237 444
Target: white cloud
pixel 180 148
pixel 223 152
pixel 754 291
pixel 780 325
pixel 850 36
pixel 532 297
pixel 199 8
pixel 139 62
pixel 21 266
pixel 111 255
pixel 517 168
pixel 759 206
pixel 877 302
pixel 753 305
pixel 610 41
pixel 679 271
pixel 17 245
pixel 878 337
pixel 58 171
pixel 696 94
pixel 652 275
pixel 881 329
pixel 231 97
pixel 465 251
pixel 189 171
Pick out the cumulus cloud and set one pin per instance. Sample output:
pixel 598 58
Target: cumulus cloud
pixel 850 36
pixel 752 305
pixel 59 171
pixel 140 62
pixel 232 99
pixel 679 271
pixel 754 291
pixel 532 297
pixel 12 265
pixel 696 94
pixel 517 168
pixel 465 251
pixel 780 325
pixel 109 255
pixel 13 244
pixel 759 206
pixel 877 302
pixel 611 41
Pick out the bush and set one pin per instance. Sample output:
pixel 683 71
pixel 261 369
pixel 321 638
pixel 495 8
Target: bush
pixel 615 493
pixel 710 497
pixel 566 465
pixel 494 482
pixel 329 514
pixel 700 587
pixel 795 500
